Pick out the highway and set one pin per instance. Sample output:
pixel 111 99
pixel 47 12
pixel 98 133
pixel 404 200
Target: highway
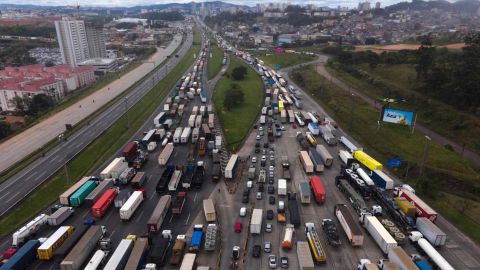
pixel 19 186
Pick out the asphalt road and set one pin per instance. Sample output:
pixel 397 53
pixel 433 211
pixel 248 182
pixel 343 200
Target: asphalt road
pixel 19 186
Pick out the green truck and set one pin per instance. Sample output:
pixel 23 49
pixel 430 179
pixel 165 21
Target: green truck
pixel 79 196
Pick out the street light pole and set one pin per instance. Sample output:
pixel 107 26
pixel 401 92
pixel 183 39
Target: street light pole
pixel 425 153
pixel 351 110
pixel 126 112
pixel 61 138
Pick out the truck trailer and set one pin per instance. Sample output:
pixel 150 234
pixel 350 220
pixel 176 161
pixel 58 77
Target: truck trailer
pixel 158 215
pixel 209 210
pixel 381 236
pixel 165 154
pixel 120 255
pixel 305 261
pixel 400 258
pixel 319 254
pixel 138 254
pixel 350 226
pixel 256 221
pixel 82 249
pixel 131 205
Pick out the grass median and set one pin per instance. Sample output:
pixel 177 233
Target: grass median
pixel 214 64
pixel 100 149
pixel 285 59
pixel 445 172
pixel 237 122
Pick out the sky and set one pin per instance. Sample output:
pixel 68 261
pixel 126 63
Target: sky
pixel 129 3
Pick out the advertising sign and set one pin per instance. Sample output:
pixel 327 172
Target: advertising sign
pixel 398 117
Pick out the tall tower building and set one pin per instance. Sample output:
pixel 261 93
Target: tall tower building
pixel 96 40
pixel 72 40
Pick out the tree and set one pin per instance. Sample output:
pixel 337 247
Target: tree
pixel 233 97
pixel 39 103
pixel 239 72
pixel 425 57
pixel 4 129
pixel 20 104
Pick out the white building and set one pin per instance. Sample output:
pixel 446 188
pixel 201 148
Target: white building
pixel 72 40
pixel 101 65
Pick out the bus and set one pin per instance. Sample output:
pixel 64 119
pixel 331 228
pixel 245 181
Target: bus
pixel 45 251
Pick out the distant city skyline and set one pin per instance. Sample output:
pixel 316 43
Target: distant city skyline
pixel 130 3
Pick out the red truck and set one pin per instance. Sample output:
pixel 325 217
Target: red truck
pixel 101 205
pixel 423 209
pixel 317 188
pixel 130 151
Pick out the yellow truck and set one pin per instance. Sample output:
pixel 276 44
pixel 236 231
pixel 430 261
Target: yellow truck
pixel 45 251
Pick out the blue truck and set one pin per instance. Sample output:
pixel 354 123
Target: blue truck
pixel 197 236
pixel 23 257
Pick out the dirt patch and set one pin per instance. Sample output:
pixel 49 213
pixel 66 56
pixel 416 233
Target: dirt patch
pixel 399 47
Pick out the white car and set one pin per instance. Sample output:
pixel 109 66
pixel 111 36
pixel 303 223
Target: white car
pixel 258 137
pixel 271 168
pixel 243 211
pixel 254 159
pixel 260 128
pixel 272 261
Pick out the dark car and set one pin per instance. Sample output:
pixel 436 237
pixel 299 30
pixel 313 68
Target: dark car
pixel 265 145
pixel 270 189
pixel 284 262
pixel 261 188
pixel 245 199
pixel 271 200
pixel 257 150
pixel 270 181
pixel 270 214
pixel 256 250
pixel 257 145
pixel 255 126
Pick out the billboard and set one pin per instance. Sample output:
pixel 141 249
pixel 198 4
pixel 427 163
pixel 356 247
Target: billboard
pixel 397 117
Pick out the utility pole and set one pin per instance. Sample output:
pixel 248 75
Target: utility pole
pixel 351 110
pixel 126 112
pixel 425 153
pixel 62 139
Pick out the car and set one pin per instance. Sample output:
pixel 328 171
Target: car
pixel 271 168
pixel 255 126
pixel 284 262
pixel 264 151
pixel 243 211
pixel 261 187
pixel 257 150
pixel 271 174
pixel 256 250
pixel 257 145
pixel 268 227
pixel 277 125
pixel 236 253
pixel 272 158
pixel 259 195
pixel 272 261
pixel 294 125
pixel 254 159
pixel 270 214
pixel 270 181
pixel 264 158
pixel 270 189
pixel 283 128
pixel 267 247
pixel 245 199
pixel 260 128
pixel 265 145
pixel 258 137
pixel 271 200
pixel 238 227
pixel 260 133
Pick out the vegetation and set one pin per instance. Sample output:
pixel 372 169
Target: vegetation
pixel 126 25
pixel 239 73
pixel 286 59
pixel 100 149
pixel 28 31
pixel 215 62
pixel 445 172
pixel 237 120
pixel 225 17
pixel 163 16
pixel 234 97
pixel 16 54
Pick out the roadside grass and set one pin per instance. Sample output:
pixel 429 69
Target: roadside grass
pixel 285 59
pixel 100 150
pixel 399 81
pixel 445 171
pixel 214 64
pixel 237 122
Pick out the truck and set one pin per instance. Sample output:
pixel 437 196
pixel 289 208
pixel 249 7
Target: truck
pixel 330 230
pixel 262 176
pixel 282 187
pixel 131 205
pixel 82 249
pixel 346 158
pixel 29 229
pixel 174 180
pixel 423 209
pixel 60 253
pixel 178 201
pixel 125 176
pixel 384 264
pixel 59 216
pixel 139 180
pixel 286 168
pixel 211 120
pixel 365 177
pixel 305 261
pixel 313 128
pixel 191 120
pixel 231 167
pixel 209 210
pixel 400 258
pixel 367 160
pixel 45 251
pixel 102 205
pixel 366 264
pixel 197 236
pixel 318 189
pixel 381 236
pixel 319 254
pixel 352 195
pixel 306 162
pixel 165 154
pixel 283 116
pixel 188 175
pixel 421 263
pixel 177 134
pixel 302 140
pixel 187 131
pixel 252 172
pixel 216 172
pixel 324 155
pixel 23 257
pixel 304 189
pixel 65 196
pixel 129 152
pixel 159 248
pixel 178 249
pixel 256 221
pixel 211 237
pixel 270 135
pixel 195 135
pixel 316 159
pixel 198 121
pixel 431 232
pixel 349 225
pixel 162 183
pixel 78 197
pixel 349 145
pixel 98 192
pixel 120 255
pixel 382 179
pixel 114 169
pixel 287 241
pixel 198 175
pixel 406 207
pixel 138 254
pixel 202 146
pixel 158 215
pixel 188 261
pixel 293 210
pixel 96 260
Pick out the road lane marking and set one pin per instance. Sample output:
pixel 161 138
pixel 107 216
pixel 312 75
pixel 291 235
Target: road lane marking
pixel 13 197
pixel 8 192
pixel 186 222
pixel 195 198
pixel 171 217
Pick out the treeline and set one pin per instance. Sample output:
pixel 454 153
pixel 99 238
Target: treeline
pixel 225 17
pixel 28 31
pixel 447 75
pixel 164 16
pixel 16 54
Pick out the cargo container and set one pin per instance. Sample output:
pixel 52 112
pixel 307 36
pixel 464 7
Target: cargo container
pixel 231 168
pixel 98 192
pixel 209 210
pixel 381 179
pixel 291 116
pixel 162 183
pixel 406 207
pixel 293 210
pixel 305 261
pixel 114 169
pixel 158 215
pixel 23 257
pixel 317 188
pixel 313 128
pixel 60 253
pixel 381 236
pixel 185 134
pixel 96 260
pixel 367 160
pixel 306 162
pixel 282 187
pixel 151 146
pixel 45 251
pixel 198 121
pixel 165 154
pixel 256 221
pixel 139 180
pixel 211 120
pixel 188 261
pixel 197 236
pixel 349 225
pixel 191 120
pixel 174 180
pixel 60 216
pixel 103 203
pixel 148 137
pixel 120 255
pixel 283 116
pixel 287 241
pixel 159 119
pixel 431 232
pixel 177 134
pixel 346 158
pixel 401 259
pixel 79 254
pixel 64 198
pixel 129 152
pixel 316 160
pixel 138 255
pixel 305 193
pixel 423 209
pixel 324 155
pixel 349 145
pixel 319 254
pixel 178 201
pixel 77 198
pixel 131 205
pixel 195 135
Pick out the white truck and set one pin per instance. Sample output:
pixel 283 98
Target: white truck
pixel 381 236
pixel 177 134
pixel 131 205
pixel 282 187
pixel 431 232
pixel 60 216
pixel 427 248
pixel 96 260
pixel 114 169
pixel 191 120
pixel 32 227
pixel 346 157
pixel 185 135
pixel 256 221
pixel 120 256
pixel 165 154
pixel 151 146
pixel 287 242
